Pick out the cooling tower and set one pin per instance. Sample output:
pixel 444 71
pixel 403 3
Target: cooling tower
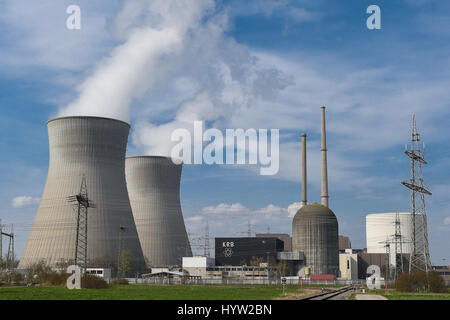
pixel 95 148
pixel 154 189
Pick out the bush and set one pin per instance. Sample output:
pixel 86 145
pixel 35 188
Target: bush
pixel 17 278
pixel 89 281
pixel 420 281
pixel 120 281
pixel 56 279
pixel 436 282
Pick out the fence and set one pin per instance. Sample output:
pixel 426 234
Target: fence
pixel 240 282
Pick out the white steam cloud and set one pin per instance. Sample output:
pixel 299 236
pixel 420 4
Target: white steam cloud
pixel 176 64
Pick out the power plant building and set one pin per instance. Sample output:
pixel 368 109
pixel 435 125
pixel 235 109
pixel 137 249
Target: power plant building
pixel 287 239
pixel 154 188
pixel 238 251
pixel 93 148
pixel 315 227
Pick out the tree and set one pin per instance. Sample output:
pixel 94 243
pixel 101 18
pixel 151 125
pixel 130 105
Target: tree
pixel 420 281
pixel 256 261
pixel 125 262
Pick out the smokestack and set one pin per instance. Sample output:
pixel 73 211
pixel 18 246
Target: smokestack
pixel 324 195
pixel 304 201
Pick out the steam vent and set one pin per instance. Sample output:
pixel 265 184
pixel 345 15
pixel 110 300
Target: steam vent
pixel 154 188
pixel 94 148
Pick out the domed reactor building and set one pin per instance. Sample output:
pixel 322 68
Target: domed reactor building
pixel 154 188
pixel 89 151
pixel 315 227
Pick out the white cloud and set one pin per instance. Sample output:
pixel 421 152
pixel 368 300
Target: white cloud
pixel 223 209
pixel 23 201
pixel 236 209
pixel 194 219
pixel 301 15
pixel 293 208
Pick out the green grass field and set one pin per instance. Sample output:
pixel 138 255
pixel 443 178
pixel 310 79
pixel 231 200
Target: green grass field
pixel 149 292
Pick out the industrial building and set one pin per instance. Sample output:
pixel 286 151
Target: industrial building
pixel 287 239
pixel 344 243
pixel 205 268
pixel 89 149
pixel 315 227
pixel 348 265
pixel 154 189
pixel 239 251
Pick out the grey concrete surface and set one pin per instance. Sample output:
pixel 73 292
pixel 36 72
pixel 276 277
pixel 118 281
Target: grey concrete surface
pixel 370 297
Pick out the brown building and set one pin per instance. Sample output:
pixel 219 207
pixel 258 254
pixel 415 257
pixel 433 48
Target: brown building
pixel 344 243
pixel 367 259
pixel 282 236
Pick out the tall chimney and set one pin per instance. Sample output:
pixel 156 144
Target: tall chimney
pixel 304 201
pixel 324 195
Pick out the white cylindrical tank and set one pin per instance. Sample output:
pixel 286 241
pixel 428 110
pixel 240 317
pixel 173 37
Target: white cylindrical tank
pixel 154 188
pixel 381 226
pixel 93 147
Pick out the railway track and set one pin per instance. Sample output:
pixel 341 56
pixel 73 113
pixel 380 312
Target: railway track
pixel 329 294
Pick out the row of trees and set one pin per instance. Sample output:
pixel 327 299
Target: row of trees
pixel 420 281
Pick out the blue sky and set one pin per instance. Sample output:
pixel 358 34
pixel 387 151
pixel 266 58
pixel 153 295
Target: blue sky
pixel 257 64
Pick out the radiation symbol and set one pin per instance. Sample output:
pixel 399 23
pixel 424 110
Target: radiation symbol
pixel 228 252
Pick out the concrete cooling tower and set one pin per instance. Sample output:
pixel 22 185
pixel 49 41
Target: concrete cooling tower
pixel 154 189
pixel 94 148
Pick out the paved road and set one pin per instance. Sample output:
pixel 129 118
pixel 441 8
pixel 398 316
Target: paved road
pixel 369 297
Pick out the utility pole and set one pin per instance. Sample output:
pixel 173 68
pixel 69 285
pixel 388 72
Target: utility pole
pixel 249 230
pixel 420 255
pixel 119 267
pixel 398 246
pixel 10 256
pixel 82 202
pixel 387 245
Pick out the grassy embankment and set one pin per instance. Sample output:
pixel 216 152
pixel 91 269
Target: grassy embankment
pixel 150 292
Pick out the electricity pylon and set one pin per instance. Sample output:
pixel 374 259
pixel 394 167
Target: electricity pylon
pixel 10 255
pixel 82 202
pixel 398 241
pixel 420 255
pixel 207 247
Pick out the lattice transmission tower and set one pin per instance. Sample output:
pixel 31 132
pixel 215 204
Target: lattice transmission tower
pixel 420 255
pixel 398 244
pixel 207 246
pixel 82 202
pixel 10 255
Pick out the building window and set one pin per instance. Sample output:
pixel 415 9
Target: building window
pixel 348 264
